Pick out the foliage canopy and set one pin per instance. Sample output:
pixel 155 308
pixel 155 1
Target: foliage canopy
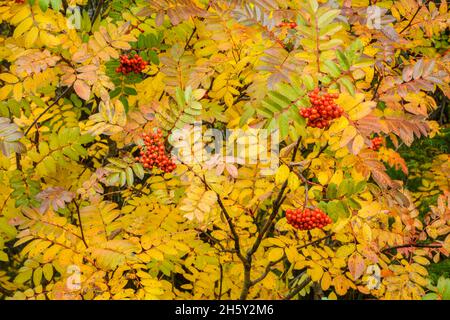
pixel 81 218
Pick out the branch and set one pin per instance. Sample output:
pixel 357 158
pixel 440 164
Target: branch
pixel 190 38
pixel 48 108
pixel 97 11
pixel 266 271
pixel 299 288
pixel 276 206
pixel 220 281
pixel 81 225
pixel 315 241
pixel 412 245
pixel 237 245
pixel 412 19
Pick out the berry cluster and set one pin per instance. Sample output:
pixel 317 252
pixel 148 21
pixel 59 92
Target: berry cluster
pixel 153 154
pixel 323 109
pixel 19 1
pixel 307 219
pixel 376 143
pixel 134 64
pixel 290 25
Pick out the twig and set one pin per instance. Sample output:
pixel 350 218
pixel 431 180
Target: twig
pixel 315 241
pixel 81 225
pixel 237 245
pixel 48 108
pixel 299 288
pixel 97 11
pixel 190 37
pixel 412 245
pixel 220 281
pixel 266 271
pixel 412 19
pixel 276 205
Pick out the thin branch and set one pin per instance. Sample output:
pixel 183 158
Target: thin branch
pixel 412 19
pixel 220 281
pixel 276 205
pixel 237 245
pixel 97 11
pixel 48 108
pixel 379 79
pixel 81 225
pixel 412 245
pixel 315 241
pixel 266 271
pixel 190 38
pixel 299 288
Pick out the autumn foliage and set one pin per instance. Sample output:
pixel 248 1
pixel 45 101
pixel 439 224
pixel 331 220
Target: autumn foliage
pixel 96 203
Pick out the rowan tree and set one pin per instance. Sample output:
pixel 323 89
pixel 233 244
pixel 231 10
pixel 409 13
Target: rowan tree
pixel 95 205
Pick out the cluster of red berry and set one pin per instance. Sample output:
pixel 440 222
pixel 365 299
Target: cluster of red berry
pixel 153 153
pixel 290 25
pixel 307 219
pixel 323 109
pixel 376 143
pixel 134 64
pixel 19 1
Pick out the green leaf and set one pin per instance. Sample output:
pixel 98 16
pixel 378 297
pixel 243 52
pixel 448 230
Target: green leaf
pixel 247 114
pixel 327 17
pixel 283 123
pixel 343 61
pixel 345 187
pixel 347 84
pixel 138 170
pixel 332 191
pixel 56 4
pixel 332 68
pixel 43 4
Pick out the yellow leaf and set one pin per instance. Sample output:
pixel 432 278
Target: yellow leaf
pixel 282 174
pixel 20 15
pixel 291 254
pixel 316 272
pixel 48 271
pixel 367 232
pixel 362 110
pixel 4 92
pixel 48 39
pixel 293 181
pixel 31 37
pixel 228 98
pixel 421 260
pixel 17 91
pixel 340 285
pixel 347 135
pixel 156 254
pixel 338 126
pixel 337 177
pixel 358 143
pixel 275 254
pixel 22 27
pixel 345 250
pixel 326 281
pixel 8 77
pixel 322 177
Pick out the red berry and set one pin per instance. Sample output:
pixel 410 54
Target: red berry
pixel 307 219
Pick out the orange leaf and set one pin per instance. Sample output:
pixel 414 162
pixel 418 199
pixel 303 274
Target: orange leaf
pixel 82 89
pixel 356 265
